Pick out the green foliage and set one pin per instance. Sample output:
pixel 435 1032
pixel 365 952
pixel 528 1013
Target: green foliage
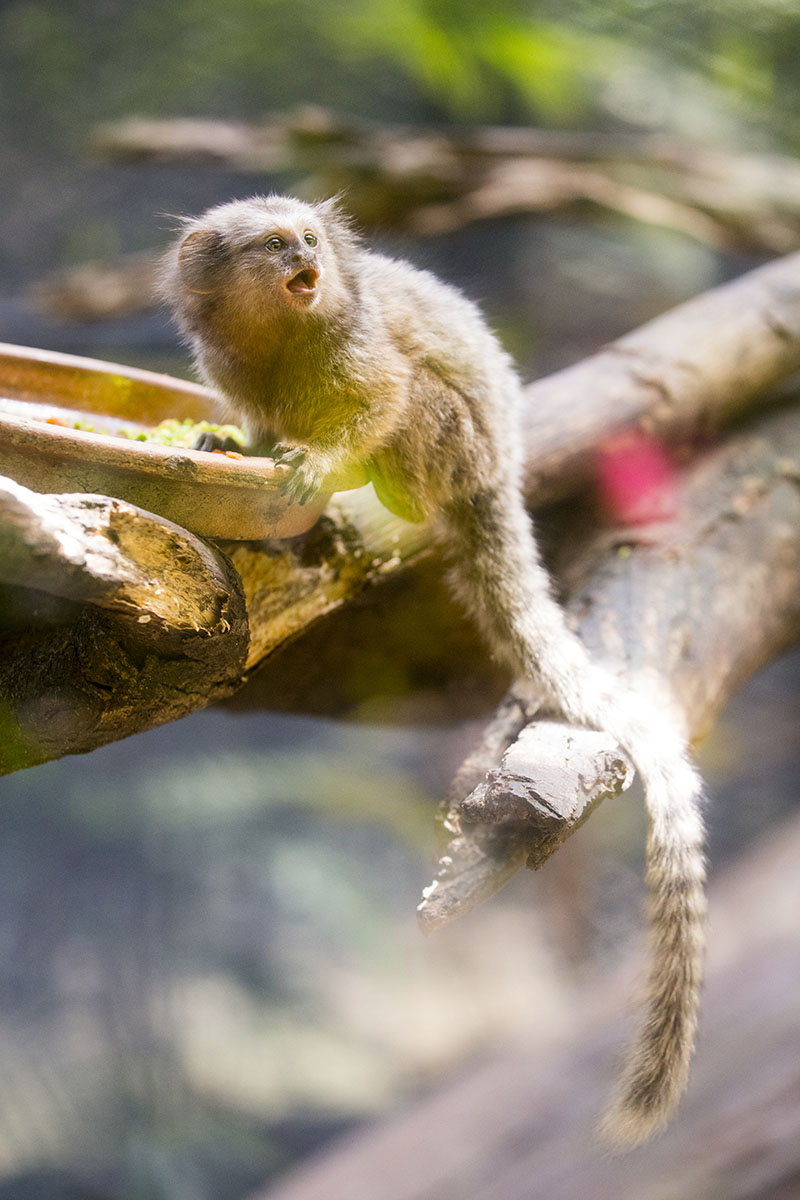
pixel 469 56
pixel 64 66
pixel 745 53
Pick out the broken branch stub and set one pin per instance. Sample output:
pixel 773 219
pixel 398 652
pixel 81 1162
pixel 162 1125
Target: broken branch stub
pixel 550 778
pixel 548 781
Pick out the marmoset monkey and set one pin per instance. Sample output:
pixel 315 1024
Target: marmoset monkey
pixel 360 367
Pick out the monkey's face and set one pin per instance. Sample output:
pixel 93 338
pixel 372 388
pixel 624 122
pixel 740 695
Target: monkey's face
pixel 266 260
pixel 285 261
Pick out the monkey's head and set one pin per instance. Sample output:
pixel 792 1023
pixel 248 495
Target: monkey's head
pixel 264 259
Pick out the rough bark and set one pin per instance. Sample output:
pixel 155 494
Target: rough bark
pixel 680 377
pixel 114 620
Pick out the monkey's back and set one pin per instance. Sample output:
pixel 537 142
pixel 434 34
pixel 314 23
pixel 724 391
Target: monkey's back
pixel 434 323
pixel 459 429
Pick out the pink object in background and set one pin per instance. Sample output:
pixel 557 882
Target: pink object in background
pixel 636 478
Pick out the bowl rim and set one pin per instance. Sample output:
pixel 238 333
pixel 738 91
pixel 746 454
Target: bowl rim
pixel 52 378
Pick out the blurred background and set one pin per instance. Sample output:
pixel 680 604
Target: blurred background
pixel 209 962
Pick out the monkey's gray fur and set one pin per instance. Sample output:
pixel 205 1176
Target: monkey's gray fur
pixel 370 368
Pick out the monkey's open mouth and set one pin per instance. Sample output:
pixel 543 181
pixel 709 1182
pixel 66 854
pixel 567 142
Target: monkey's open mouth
pixel 304 283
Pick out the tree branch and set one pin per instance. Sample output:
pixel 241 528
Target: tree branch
pixel 688 371
pixel 681 377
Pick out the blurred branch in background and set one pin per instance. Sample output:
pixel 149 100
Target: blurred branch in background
pixel 428 181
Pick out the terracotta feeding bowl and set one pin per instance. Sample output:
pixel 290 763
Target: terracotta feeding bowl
pixel 211 494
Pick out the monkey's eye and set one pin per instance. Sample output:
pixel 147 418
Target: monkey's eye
pixel 274 244
pixel 310 238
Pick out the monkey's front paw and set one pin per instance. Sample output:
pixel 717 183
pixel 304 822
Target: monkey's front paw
pixel 304 480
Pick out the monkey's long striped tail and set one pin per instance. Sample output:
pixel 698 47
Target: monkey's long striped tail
pixel 497 573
